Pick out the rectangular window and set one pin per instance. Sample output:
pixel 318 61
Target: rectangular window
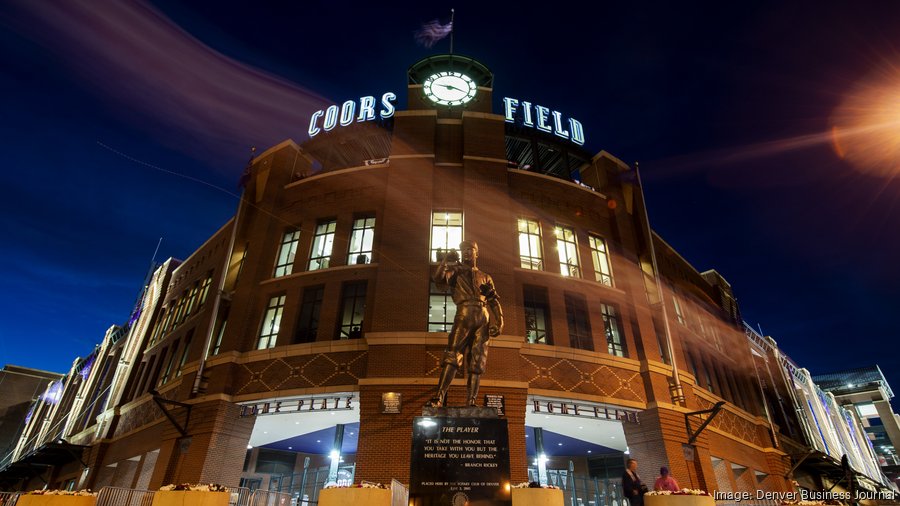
pixel 284 264
pixel 530 255
pixel 579 322
pixel 353 310
pixel 615 344
pixel 179 310
pixel 218 346
pixel 679 313
pixel 362 240
pixel 446 232
pixel 441 310
pixel 192 301
pixel 271 323
pixel 169 364
pixel 184 352
pixel 308 324
pixel 568 251
pixel 204 289
pixel 164 315
pixel 600 255
pixel 537 315
pixel 323 242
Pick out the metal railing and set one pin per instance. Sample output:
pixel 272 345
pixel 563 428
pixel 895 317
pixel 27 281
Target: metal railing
pixel 267 498
pixel 117 496
pixel 8 498
pixel 240 496
pixel 399 494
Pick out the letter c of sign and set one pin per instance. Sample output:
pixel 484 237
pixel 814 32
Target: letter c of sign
pixel 313 129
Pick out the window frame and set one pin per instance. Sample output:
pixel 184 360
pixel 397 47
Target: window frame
pixel 548 327
pixel 447 296
pixel 612 329
pixel 318 297
pixel 604 278
pixel 275 308
pixel 578 306
pixel 432 249
pixel 287 253
pixel 319 256
pixel 343 311
pixel 569 266
pixel 530 263
pixel 370 253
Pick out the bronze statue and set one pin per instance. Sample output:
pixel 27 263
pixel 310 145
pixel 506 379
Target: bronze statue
pixel 478 318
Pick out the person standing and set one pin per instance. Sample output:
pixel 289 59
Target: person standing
pixel 665 481
pixel 632 487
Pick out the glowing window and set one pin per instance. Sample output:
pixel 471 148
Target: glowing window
pixel 530 256
pixel 271 323
pixel 441 310
pixel 599 254
pixel 284 264
pixel 446 232
pixel 323 242
pixel 362 239
pixel 568 251
pixel 614 342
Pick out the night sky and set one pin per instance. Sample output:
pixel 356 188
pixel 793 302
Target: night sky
pixel 768 135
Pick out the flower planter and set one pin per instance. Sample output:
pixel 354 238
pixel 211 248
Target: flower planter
pixel 190 498
pixel 679 500
pixel 537 497
pixel 355 497
pixel 56 500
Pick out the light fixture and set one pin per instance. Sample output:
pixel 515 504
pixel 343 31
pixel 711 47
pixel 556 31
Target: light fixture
pixel 427 422
pixel 318 440
pixel 249 447
pixel 290 447
pixel 334 454
pixel 558 444
pixel 544 458
pixel 589 451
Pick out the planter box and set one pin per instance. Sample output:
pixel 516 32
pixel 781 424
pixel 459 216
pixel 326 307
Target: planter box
pixel 537 497
pixel 187 497
pixel 355 497
pixel 679 500
pixel 56 500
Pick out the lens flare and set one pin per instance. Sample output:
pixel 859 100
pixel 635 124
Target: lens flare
pixel 866 126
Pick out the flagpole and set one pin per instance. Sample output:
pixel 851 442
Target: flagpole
pixel 452 27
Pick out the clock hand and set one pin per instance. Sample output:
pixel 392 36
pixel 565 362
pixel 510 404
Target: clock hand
pixel 451 87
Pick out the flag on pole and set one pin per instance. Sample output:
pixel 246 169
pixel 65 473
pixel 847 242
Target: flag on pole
pixel 432 32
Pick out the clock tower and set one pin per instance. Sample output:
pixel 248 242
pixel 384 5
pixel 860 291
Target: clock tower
pixel 450 83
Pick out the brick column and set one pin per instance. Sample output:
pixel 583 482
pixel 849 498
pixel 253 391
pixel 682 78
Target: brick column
pixel 213 450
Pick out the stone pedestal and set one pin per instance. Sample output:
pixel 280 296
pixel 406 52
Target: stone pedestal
pixel 462 459
pixel 185 497
pixel 56 500
pixel 354 497
pixel 537 497
pixel 679 500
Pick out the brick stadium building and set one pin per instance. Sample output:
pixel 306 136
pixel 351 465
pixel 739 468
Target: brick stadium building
pixel 272 355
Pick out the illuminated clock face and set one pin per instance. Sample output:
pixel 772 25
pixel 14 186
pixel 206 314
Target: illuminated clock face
pixel 449 88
